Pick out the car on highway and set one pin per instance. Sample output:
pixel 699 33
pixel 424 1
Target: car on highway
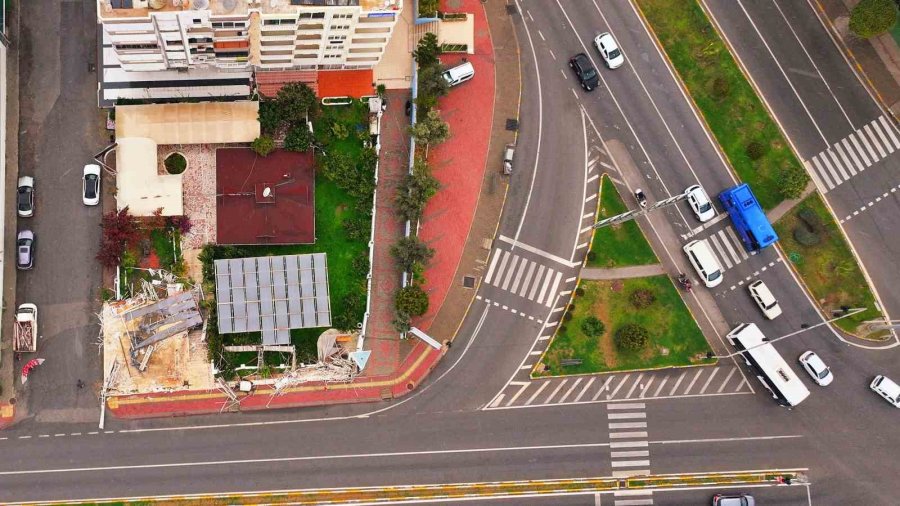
pixel 700 203
pixel 90 185
pixel 25 250
pixel 763 297
pixel 885 387
pixel 585 71
pixel 817 369
pixel 733 500
pixel 25 197
pixel 704 262
pixel 609 50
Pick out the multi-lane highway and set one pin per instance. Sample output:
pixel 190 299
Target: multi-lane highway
pixel 479 417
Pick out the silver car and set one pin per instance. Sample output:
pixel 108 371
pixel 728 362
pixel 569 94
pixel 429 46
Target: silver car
pixel 25 250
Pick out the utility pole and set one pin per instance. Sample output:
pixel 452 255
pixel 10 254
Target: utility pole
pixel 630 215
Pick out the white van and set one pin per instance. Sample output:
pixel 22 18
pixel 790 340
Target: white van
pixel 885 387
pixel 704 262
pixel 459 74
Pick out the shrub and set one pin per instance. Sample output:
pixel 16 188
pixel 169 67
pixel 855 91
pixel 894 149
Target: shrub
pixel 793 181
pixel 579 292
pixel 340 131
pixel 175 163
pixel 872 17
pixel 631 337
pixel 426 53
pixel 120 232
pixel 270 117
pixel 411 300
pixel 755 150
pixel 567 316
pixel 297 103
pixel 263 145
pixel 357 227
pixel 361 262
pixel 431 129
pixel 805 236
pixel 641 298
pixel 354 304
pixel 298 139
pixel 415 190
pixel 428 8
pixel 812 219
pixel 432 83
pixel 593 327
pixel 180 223
pixel 591 256
pixel 409 251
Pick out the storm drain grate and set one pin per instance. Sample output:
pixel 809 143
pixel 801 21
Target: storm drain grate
pixel 469 281
pixel 512 124
pixel 511 9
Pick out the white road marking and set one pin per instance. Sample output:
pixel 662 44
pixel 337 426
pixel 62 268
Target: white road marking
pixel 691 385
pixel 859 149
pixel 626 416
pixel 551 297
pixel 823 173
pixel 722 386
pixel 660 387
pixel 845 160
pixel 646 387
pixel 629 454
pixel 626 405
pixel 590 198
pixel 627 425
pixel 875 141
pixel 490 271
pixel 708 380
pixel 614 392
pixel 885 142
pixel 518 278
pixel 536 251
pixel 720 250
pixel 838 164
pixel 815 176
pixel 528 275
pixel 587 215
pixel 537 282
pixel 887 127
pixel 573 278
pixel 585 389
pixel 502 266
pixel 582 245
pixel 555 391
pixel 510 271
pixel 738 244
pixel 545 285
pixel 633 502
pixel 497 400
pixel 852 154
pixel 629 435
pixel 867 144
pixel 672 392
pixel 629 444
pixel 569 391
pixel 630 463
pixel 516 396
pixel 630 473
pixel 593 178
pixel 636 383
pixel 534 395
pixel 604 388
pixel 729 247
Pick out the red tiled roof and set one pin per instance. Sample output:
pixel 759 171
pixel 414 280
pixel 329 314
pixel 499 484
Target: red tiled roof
pixel 346 83
pixel 246 213
pixel 269 82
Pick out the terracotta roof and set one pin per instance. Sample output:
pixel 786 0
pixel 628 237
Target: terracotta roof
pixel 270 82
pixel 264 200
pixel 344 83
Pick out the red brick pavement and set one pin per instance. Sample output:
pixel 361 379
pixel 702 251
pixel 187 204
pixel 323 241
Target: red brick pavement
pixel 459 163
pixel 393 164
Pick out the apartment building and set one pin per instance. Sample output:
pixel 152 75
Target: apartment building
pixel 236 35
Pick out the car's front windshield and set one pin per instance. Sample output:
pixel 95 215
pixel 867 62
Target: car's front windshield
pixel 615 53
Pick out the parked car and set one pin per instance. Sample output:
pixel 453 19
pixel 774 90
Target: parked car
pixel 585 71
pixel 508 152
pixel 90 185
pixel 764 299
pixel 459 74
pixel 25 250
pixel 817 369
pixel 25 197
pixel 885 387
pixel 700 203
pixel 733 500
pixel 609 50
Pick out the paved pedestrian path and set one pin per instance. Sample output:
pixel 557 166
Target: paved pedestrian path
pixel 637 271
pixel 381 336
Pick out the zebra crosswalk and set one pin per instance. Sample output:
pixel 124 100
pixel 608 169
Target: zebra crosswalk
pixel 728 247
pixel 853 154
pixel 523 277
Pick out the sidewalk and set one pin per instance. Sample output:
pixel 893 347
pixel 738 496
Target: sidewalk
pixel 477 112
pixel 412 371
pixel 381 337
pixel 877 59
pixel 637 271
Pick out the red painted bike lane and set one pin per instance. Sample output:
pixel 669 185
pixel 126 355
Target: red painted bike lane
pixel 458 163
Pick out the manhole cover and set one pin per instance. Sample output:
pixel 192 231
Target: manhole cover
pixel 511 9
pixel 469 281
pixel 512 124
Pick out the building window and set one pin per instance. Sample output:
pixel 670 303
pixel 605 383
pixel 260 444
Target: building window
pixel 337 39
pixel 289 21
pixel 340 27
pixel 332 56
pixel 135 46
pixel 342 16
pixel 228 24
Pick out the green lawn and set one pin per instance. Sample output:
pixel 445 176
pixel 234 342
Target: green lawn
pixel 895 33
pixel 618 245
pixel 828 269
pixel 675 338
pixel 729 104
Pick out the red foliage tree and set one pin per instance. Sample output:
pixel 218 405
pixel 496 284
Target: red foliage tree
pixel 120 232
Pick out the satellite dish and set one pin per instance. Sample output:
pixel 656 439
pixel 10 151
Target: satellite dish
pixel 229 5
pixel 157 4
pixel 198 5
pixel 267 192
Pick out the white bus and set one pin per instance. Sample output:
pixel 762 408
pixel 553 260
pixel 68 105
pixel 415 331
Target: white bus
pixel 766 363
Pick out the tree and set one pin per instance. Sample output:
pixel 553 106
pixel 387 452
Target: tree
pixel 793 182
pixel 120 232
pixel 409 251
pixel 431 83
pixel 411 300
pixel 415 190
pixel 426 53
pixel 593 327
pixel 263 145
pixel 873 17
pixel 297 102
pixel 270 117
pixel 431 129
pixel 631 337
pixel 298 139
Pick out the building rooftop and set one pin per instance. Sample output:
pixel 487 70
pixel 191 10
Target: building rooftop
pixel 111 9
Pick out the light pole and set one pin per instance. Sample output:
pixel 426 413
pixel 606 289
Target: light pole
pixel 850 312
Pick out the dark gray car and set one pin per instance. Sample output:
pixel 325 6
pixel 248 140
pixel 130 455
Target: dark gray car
pixel 25 250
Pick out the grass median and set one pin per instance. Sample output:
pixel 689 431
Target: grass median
pixel 737 118
pixel 618 245
pixel 652 303
pixel 820 254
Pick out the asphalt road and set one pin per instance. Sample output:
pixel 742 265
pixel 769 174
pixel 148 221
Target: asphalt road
pixel 59 130
pixel 440 433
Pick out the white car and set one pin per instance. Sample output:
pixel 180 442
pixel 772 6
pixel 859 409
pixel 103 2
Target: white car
pixel 609 50
pixel 763 297
pixel 817 369
pixel 700 203
pixel 885 387
pixel 25 197
pixel 90 185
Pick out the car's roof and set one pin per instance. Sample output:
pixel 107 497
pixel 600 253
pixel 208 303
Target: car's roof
pixel 607 39
pixel 26 234
pixel 91 169
pixel 763 290
pixel 582 59
pixel 26 181
pixel 814 361
pixel 698 191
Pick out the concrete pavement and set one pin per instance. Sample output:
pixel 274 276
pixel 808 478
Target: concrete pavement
pixel 640 271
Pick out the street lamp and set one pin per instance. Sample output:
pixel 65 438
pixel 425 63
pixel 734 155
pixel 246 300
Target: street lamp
pixel 804 328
